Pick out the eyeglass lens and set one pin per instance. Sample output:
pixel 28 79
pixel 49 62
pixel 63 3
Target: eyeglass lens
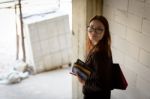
pixel 90 29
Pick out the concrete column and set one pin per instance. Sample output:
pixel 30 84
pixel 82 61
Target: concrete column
pixel 82 11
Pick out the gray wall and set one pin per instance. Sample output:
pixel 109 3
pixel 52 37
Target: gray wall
pixel 129 25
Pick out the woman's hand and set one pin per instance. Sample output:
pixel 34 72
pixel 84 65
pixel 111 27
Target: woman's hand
pixel 81 80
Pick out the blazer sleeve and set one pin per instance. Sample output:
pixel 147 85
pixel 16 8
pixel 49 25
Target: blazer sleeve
pixel 101 77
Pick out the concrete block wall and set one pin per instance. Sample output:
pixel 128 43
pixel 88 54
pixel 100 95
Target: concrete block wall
pixel 48 41
pixel 129 26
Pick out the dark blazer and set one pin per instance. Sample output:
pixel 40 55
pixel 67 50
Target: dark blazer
pixel 99 82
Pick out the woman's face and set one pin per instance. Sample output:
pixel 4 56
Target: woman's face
pixel 96 31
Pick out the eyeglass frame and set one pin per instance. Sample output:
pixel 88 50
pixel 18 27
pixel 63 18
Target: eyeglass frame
pixel 98 31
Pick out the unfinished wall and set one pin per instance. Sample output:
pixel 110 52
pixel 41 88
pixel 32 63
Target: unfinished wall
pixel 129 25
pixel 48 41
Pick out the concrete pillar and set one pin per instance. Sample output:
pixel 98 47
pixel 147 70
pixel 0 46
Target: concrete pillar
pixel 82 11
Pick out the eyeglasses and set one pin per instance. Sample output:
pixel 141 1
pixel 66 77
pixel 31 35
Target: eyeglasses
pixel 98 31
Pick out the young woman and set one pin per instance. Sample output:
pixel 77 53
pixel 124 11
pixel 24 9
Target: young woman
pixel 99 59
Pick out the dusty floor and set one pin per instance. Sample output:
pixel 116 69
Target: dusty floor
pixel 55 84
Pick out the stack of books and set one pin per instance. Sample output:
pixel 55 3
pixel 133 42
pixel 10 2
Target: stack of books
pixel 81 69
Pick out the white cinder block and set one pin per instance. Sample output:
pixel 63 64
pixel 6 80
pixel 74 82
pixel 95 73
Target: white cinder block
pixel 141 0
pixel 136 7
pixel 121 16
pixel 34 36
pixel 119 94
pixel 52 30
pixel 56 60
pixel 39 63
pixel 47 62
pixel 146 12
pixel 144 57
pixel 147 1
pixel 62 42
pixel 36 50
pixel 134 22
pixel 137 67
pixel 118 57
pixel 143 96
pixel 131 77
pixel 66 25
pixel 144 87
pixel 145 27
pixel 53 42
pixel 61 28
pixel 109 3
pixel 117 29
pixel 108 12
pixel 134 93
pixel 121 4
pixel 65 56
pixel 138 39
pixel 42 30
pixel 125 46
pixel 44 47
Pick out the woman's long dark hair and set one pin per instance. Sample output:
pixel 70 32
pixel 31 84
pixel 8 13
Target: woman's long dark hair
pixel 104 44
